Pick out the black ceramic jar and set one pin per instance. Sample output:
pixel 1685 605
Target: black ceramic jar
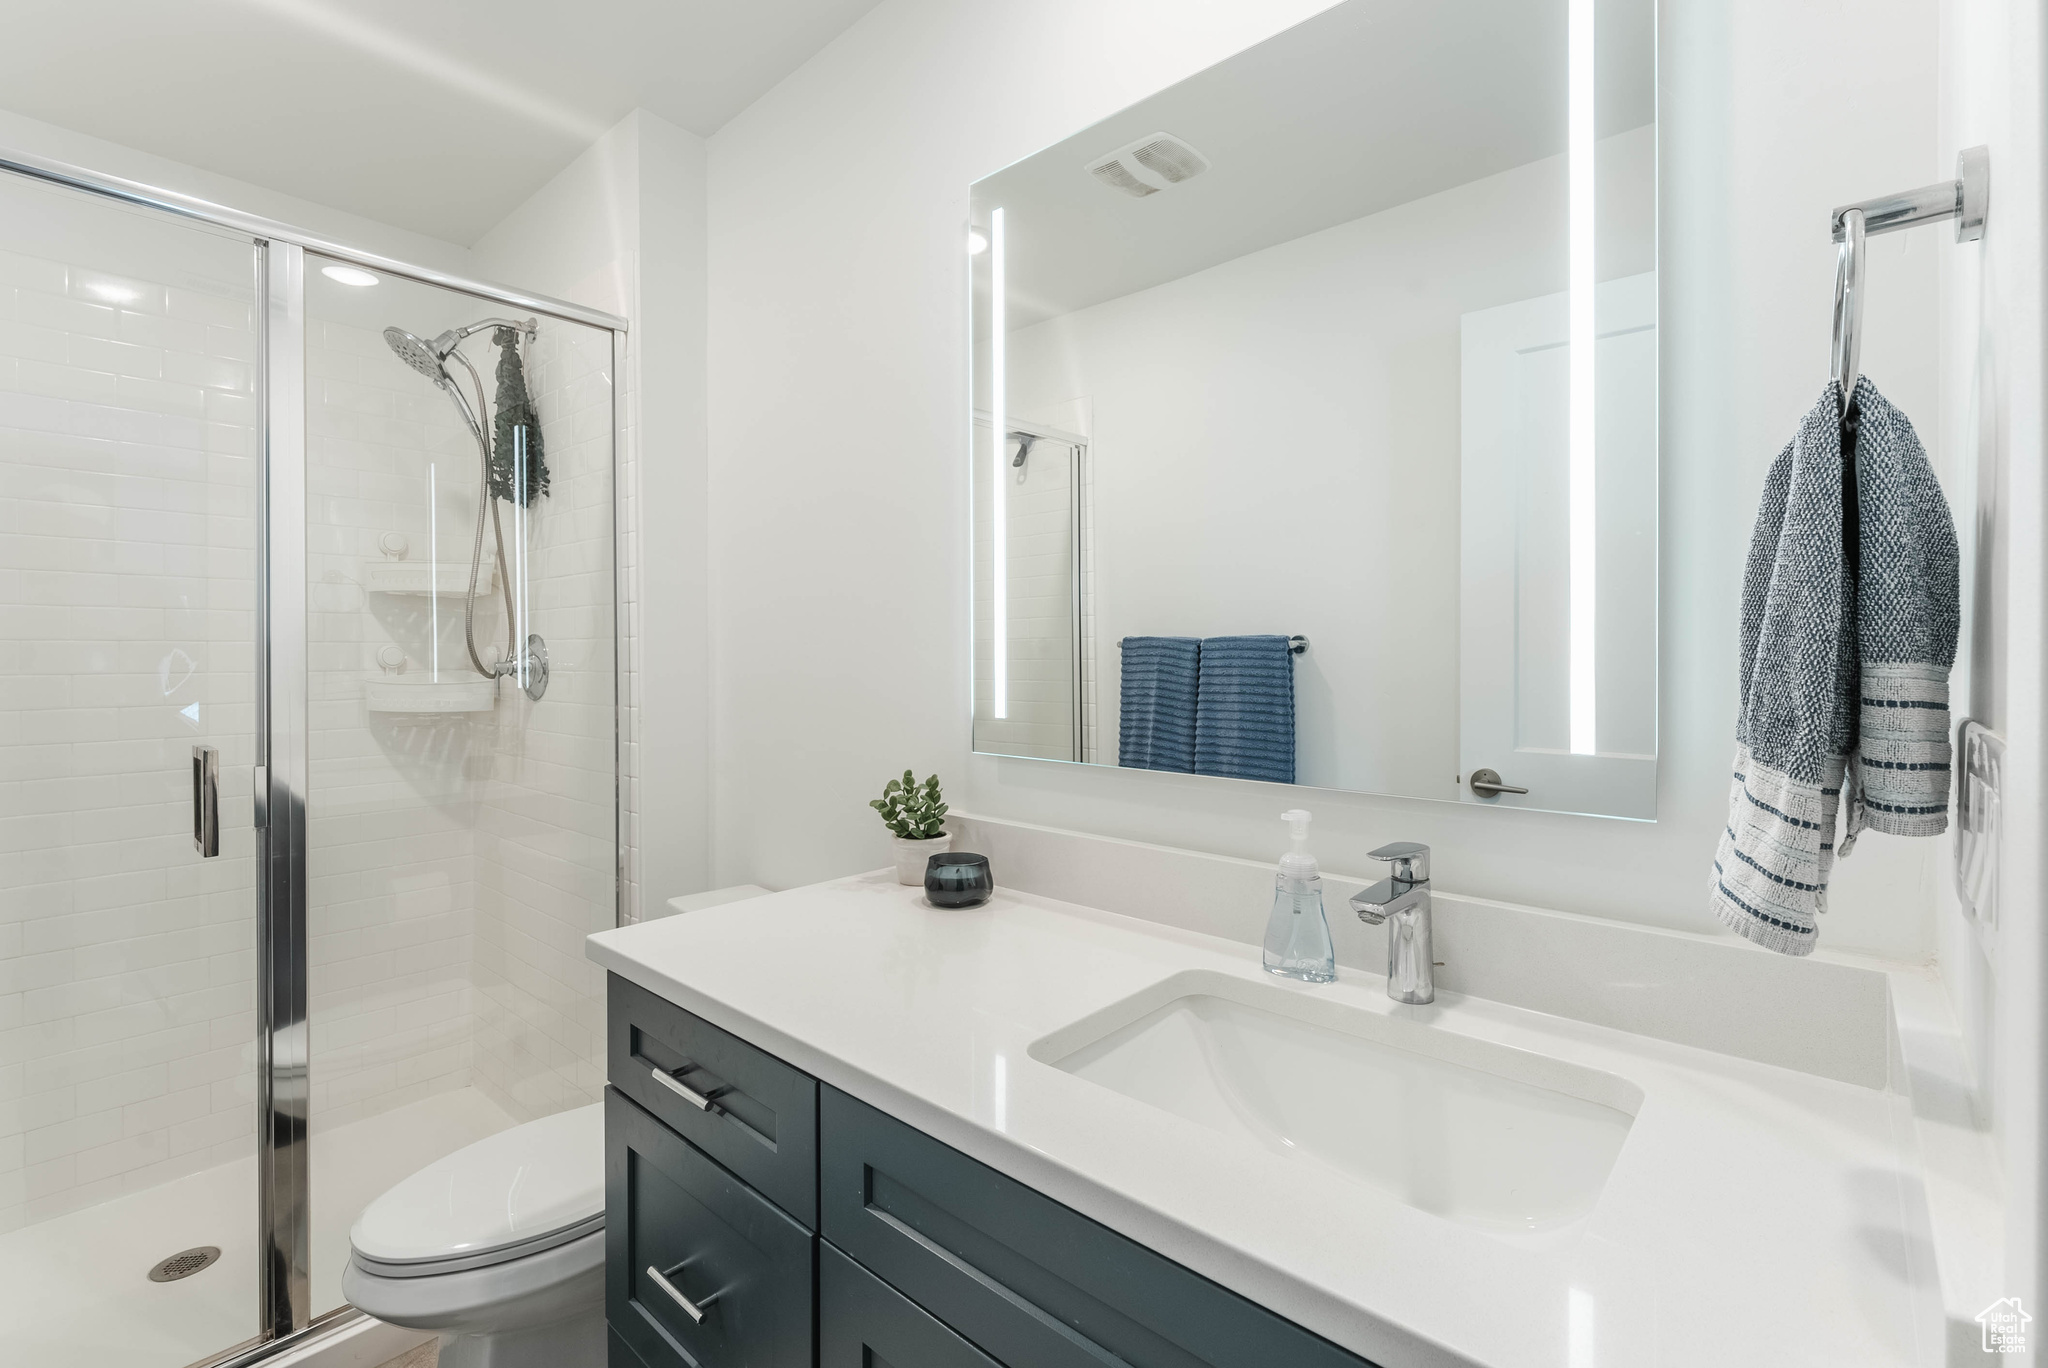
pixel 958 879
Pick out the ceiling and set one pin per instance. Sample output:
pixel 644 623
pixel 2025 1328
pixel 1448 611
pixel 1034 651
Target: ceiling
pixel 1366 106
pixel 438 117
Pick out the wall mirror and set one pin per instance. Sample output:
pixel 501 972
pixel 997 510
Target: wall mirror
pixel 1315 416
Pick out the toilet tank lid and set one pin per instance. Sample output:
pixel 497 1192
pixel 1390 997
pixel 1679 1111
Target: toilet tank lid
pixel 511 1188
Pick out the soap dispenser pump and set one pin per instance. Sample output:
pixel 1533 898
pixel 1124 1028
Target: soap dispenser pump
pixel 1298 934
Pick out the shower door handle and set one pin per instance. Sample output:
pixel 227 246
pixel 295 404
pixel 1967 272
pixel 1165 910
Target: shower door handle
pixel 206 801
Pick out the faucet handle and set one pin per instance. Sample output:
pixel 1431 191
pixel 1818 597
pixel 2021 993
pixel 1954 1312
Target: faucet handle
pixel 1410 860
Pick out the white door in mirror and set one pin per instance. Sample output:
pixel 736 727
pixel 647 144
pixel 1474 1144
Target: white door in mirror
pixel 1515 681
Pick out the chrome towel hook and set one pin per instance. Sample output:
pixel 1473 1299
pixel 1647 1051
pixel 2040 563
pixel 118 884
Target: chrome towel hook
pixel 1846 354
pixel 1966 199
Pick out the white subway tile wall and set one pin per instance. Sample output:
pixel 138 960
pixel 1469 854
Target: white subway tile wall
pixel 128 445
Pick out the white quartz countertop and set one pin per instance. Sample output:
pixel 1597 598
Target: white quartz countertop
pixel 1755 1215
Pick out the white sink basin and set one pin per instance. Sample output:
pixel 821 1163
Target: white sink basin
pixel 1474 1132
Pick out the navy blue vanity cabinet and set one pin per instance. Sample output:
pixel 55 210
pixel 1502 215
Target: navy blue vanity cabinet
pixel 755 1218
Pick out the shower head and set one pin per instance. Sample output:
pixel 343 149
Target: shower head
pixel 424 357
pixel 427 357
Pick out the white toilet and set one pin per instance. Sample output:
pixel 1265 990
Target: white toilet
pixel 498 1248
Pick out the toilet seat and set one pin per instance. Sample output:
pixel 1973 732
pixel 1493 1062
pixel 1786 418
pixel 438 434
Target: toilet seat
pixel 523 1191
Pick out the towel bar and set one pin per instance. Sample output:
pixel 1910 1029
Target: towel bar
pixel 1295 644
pixel 1966 199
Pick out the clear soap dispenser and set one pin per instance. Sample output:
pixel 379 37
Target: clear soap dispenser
pixel 1298 934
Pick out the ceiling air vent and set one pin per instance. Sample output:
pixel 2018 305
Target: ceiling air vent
pixel 1155 162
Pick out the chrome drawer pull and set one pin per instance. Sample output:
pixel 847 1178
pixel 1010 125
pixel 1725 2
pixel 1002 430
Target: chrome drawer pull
pixel 682 1090
pixel 694 1310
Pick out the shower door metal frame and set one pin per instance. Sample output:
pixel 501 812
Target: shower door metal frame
pixel 284 1063
pixel 284 1066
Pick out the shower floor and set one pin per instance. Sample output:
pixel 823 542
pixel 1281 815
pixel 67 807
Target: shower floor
pixel 78 1294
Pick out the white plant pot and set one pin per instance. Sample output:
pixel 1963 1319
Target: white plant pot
pixel 911 856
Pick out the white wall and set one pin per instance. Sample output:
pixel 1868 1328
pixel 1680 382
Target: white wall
pixel 839 429
pixel 622 229
pixel 1991 436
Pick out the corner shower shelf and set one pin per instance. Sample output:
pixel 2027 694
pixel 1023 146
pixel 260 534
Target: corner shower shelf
pixel 399 694
pixel 449 580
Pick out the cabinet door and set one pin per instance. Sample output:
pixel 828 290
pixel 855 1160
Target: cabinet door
pixel 865 1323
pixel 700 1270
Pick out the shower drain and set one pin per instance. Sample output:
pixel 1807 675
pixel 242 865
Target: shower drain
pixel 184 1263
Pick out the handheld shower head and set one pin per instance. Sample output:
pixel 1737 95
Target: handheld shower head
pixel 428 357
pixel 424 357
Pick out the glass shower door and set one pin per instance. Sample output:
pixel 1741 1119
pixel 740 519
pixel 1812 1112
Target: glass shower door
pixel 129 450
pixel 462 793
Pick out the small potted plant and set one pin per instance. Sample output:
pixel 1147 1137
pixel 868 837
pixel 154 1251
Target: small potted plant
pixel 916 815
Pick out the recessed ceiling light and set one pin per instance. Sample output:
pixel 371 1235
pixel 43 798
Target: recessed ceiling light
pixel 977 242
pixel 348 275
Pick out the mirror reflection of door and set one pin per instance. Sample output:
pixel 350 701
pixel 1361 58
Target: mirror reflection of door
pixel 1044 709
pixel 1516 683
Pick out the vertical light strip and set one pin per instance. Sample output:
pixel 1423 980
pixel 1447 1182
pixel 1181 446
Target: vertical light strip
pixel 999 537
pixel 433 576
pixel 1579 1328
pixel 1583 508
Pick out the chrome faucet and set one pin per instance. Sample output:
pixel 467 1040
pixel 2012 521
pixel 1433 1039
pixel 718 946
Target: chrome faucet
pixel 1403 903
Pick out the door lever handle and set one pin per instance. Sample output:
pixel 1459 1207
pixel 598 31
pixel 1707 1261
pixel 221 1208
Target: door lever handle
pixel 1486 783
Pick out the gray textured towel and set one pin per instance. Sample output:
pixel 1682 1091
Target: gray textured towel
pixel 517 449
pixel 1844 667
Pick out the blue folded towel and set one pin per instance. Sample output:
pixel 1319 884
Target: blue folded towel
pixel 1244 709
pixel 1156 723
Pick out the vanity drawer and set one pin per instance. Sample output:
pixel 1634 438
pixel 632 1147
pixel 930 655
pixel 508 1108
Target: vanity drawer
pixel 674 1216
pixel 1031 1282
pixel 618 1353
pixel 760 1117
pixel 865 1323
